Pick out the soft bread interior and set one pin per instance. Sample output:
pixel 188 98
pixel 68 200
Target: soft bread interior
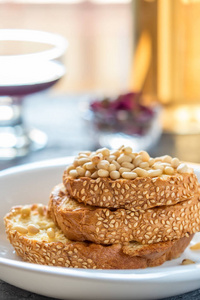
pixel 43 222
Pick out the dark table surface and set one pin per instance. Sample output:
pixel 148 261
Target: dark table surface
pixel 60 117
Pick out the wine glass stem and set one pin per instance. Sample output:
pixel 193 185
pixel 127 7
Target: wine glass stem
pixel 15 139
pixel 10 112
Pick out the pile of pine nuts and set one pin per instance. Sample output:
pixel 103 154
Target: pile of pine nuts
pixel 123 163
pixel 29 228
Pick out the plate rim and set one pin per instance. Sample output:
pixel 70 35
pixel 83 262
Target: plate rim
pixel 175 274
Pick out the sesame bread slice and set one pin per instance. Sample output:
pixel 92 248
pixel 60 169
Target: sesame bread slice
pixel 108 226
pixel 135 194
pixel 40 247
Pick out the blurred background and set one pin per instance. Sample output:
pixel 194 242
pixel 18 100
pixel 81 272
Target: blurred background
pixel 147 47
pixel 99 34
pixel 103 35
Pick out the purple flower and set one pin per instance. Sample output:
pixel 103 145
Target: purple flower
pixel 108 113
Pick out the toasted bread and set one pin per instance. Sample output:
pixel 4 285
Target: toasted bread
pixel 136 194
pixel 124 179
pixel 40 247
pixel 109 226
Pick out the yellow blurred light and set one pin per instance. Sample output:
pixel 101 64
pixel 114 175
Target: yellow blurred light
pixel 182 114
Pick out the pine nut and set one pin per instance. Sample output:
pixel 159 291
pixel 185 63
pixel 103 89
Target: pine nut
pixel 121 147
pixel 195 247
pixel 85 152
pixel 69 168
pixel 40 209
pixel 167 159
pixel 169 170
pixel 97 158
pixel 104 164
pixel 154 173
pixel 114 175
pixel 83 161
pixel 20 229
pixel 80 171
pixel 158 159
pixel 50 225
pixel 127 150
pixel 116 164
pixel 165 165
pixel 89 165
pixel 157 166
pixel 122 170
pixel 88 152
pixel 145 156
pixel 175 162
pixel 32 229
pixel 141 172
pixel 82 155
pixel 138 160
pixel 94 175
pixel 123 157
pixel 43 224
pixel 51 233
pixel 104 151
pixel 187 262
pixel 132 155
pixel 151 161
pixel 103 173
pixel 111 158
pixel 182 168
pixel 75 163
pixel 129 175
pixel 115 153
pixel 112 167
pixel 144 165
pixel 73 173
pixel 25 211
pixel 128 165
pixel 88 173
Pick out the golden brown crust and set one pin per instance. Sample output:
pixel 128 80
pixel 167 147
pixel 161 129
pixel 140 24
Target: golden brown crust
pixel 135 194
pixel 106 226
pixel 65 253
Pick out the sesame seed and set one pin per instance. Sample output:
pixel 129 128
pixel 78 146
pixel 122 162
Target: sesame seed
pixel 82 191
pixel 126 187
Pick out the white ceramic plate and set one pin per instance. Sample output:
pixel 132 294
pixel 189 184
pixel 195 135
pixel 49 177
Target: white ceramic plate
pixel 33 183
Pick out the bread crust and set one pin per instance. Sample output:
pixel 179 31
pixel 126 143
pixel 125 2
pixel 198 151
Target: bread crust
pixel 136 194
pixel 106 226
pixel 65 253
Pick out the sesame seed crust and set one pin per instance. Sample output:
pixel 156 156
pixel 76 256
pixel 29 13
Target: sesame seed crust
pixel 135 194
pixel 62 252
pixel 108 226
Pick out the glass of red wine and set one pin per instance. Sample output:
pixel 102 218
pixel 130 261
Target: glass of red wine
pixel 30 62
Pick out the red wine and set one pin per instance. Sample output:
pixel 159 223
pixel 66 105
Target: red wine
pixel 22 79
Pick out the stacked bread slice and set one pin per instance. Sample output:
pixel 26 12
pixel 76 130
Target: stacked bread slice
pixel 113 210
